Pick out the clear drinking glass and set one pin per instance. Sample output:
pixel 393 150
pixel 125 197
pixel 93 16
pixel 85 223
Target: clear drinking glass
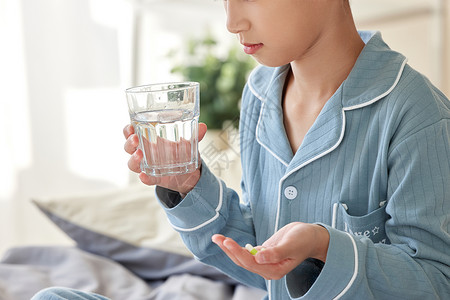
pixel 165 118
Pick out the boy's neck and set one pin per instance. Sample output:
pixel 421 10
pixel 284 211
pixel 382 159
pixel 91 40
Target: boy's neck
pixel 317 75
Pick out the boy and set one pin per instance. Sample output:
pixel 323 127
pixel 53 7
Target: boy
pixel 345 157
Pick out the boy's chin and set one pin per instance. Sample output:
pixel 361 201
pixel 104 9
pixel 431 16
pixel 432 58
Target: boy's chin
pixel 273 63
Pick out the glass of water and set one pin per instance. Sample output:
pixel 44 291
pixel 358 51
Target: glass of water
pixel 165 118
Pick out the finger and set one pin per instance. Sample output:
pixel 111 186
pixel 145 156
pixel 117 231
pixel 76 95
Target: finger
pixel 131 144
pixel 274 255
pixel 134 163
pixel 244 259
pixel 148 180
pixel 202 128
pixel 128 130
pixel 266 257
pixel 241 257
pixel 219 240
pixel 241 254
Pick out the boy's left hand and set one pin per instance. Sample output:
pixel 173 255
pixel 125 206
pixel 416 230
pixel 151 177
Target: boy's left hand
pixel 282 252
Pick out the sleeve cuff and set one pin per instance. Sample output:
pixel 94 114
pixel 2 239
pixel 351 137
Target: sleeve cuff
pixel 200 207
pixel 168 198
pixel 338 273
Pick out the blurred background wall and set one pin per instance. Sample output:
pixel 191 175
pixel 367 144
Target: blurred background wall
pixel 64 65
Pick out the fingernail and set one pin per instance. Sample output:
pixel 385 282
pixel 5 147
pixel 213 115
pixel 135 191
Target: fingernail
pixel 214 240
pixel 225 244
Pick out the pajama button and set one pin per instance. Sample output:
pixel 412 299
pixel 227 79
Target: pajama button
pixel 290 192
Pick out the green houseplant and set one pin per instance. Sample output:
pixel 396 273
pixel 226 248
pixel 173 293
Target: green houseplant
pixel 221 79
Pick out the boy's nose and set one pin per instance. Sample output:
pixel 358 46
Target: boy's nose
pixel 236 21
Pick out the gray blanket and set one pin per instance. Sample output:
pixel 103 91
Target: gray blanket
pixel 26 270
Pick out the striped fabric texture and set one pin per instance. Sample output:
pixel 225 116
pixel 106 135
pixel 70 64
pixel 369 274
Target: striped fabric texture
pixel 373 169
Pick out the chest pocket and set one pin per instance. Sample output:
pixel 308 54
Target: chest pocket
pixel 371 225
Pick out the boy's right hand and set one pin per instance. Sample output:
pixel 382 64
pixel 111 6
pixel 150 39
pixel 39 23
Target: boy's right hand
pixel 181 183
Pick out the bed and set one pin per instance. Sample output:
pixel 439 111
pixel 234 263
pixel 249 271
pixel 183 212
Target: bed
pixel 124 249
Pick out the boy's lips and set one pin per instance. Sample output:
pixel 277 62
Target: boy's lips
pixel 251 48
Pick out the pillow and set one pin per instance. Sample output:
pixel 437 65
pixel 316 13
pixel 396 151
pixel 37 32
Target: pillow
pixel 128 226
pixel 130 215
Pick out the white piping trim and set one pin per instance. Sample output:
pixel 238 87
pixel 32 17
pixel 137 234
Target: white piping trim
pixel 335 206
pixel 257 95
pixel 399 75
pixel 219 206
pixel 321 154
pixel 259 120
pixel 306 163
pixel 334 216
pixel 261 143
pixel 269 289
pixel 355 271
pixel 340 138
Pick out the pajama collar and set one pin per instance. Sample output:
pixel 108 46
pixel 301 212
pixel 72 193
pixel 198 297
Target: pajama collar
pixel 375 74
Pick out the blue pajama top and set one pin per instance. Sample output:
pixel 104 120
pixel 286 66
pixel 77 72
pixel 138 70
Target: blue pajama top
pixel 373 169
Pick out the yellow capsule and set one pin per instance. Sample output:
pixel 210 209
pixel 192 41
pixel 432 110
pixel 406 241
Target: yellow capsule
pixel 250 249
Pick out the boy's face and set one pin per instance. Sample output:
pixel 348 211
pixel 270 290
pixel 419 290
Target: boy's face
pixel 276 32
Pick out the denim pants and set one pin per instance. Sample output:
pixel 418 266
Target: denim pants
pixel 60 293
